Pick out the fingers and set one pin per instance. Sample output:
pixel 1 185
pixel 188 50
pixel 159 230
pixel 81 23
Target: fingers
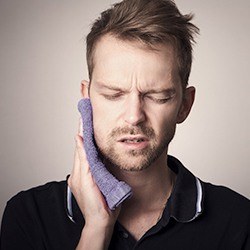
pixel 79 152
pixel 81 166
pixel 81 162
pixel 80 127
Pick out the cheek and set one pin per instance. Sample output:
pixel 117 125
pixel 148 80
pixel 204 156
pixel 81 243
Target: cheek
pixel 105 113
pixel 99 123
pixel 103 122
pixel 164 123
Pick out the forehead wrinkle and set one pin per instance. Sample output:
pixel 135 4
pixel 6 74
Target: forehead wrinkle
pixel 126 75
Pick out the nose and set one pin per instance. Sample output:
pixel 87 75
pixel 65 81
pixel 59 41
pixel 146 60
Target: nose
pixel 134 113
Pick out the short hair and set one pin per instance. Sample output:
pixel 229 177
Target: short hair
pixel 151 22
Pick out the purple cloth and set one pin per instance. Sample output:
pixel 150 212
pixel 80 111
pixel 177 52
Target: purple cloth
pixel 114 191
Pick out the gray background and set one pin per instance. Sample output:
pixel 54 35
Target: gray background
pixel 42 61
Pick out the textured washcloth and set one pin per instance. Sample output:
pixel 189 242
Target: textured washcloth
pixel 114 191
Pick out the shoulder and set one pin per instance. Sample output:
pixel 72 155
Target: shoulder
pixel 41 191
pixel 224 197
pixel 221 204
pixel 37 217
pixel 43 195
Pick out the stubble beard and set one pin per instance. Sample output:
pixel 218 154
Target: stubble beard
pixel 135 160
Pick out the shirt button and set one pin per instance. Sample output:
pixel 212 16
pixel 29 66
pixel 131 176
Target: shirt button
pixel 125 235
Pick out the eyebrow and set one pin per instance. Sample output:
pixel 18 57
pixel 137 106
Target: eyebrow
pixel 110 87
pixel 167 91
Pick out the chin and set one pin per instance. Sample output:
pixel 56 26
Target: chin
pixel 133 167
pixel 132 163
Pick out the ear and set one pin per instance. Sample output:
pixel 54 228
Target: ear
pixel 85 89
pixel 187 103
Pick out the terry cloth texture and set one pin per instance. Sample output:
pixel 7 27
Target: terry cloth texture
pixel 114 191
pixel 198 216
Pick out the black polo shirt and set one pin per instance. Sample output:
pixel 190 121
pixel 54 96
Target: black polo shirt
pixel 198 216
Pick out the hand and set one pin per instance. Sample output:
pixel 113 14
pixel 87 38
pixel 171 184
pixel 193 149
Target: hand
pixel 98 217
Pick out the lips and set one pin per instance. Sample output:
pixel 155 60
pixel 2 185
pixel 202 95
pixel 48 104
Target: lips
pixel 133 139
pixel 133 142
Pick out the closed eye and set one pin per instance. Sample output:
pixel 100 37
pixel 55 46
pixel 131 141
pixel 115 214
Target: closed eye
pixel 112 97
pixel 159 100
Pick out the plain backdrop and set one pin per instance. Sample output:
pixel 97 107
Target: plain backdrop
pixel 42 62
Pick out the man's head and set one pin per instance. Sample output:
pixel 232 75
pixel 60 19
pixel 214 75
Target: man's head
pixel 137 78
pixel 151 22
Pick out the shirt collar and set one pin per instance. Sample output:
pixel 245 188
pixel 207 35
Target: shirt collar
pixel 184 205
pixel 186 201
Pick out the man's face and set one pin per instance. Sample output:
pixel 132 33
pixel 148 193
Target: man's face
pixel 136 96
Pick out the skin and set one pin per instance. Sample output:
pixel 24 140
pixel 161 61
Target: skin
pixel 127 92
pixel 135 93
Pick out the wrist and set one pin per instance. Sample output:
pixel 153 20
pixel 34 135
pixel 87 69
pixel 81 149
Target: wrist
pixel 95 227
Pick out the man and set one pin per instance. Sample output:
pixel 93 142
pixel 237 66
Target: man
pixel 139 59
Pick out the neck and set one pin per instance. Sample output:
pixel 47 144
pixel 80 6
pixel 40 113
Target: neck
pixel 151 187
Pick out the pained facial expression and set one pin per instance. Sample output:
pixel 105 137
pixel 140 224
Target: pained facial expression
pixel 136 97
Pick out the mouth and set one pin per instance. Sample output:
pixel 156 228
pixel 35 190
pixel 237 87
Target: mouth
pixel 133 139
pixel 134 142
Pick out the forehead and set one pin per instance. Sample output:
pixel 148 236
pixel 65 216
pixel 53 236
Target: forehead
pixel 118 61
